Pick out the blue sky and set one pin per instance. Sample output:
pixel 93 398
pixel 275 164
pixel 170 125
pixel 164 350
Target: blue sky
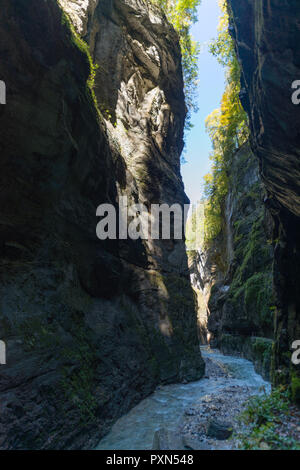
pixel 210 90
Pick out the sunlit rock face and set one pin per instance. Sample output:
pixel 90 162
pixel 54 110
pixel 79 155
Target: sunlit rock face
pixel 206 269
pixel 90 327
pixel 267 37
pixel 80 12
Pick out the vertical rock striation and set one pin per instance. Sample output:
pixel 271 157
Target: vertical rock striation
pixel 91 326
pixel 267 36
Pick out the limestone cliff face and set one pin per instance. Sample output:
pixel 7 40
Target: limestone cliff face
pixel 267 36
pixel 241 304
pixel 91 326
pixel 201 280
pixel 207 267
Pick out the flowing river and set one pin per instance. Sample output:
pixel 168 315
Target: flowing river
pixel 165 407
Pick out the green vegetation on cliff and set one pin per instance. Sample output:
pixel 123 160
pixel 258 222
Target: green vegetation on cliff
pixel 247 309
pixel 83 47
pixel 182 14
pixel 227 128
pixel 242 321
pixel 252 280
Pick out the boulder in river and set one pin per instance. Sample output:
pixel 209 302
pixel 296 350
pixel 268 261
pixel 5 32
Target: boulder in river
pixel 219 430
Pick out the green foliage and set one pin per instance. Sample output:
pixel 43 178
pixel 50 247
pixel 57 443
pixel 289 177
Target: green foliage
pixel 262 418
pixel 262 353
pixel 78 382
pixel 182 14
pixel 37 334
pixel 252 283
pixel 226 126
pixel 81 45
pixel 253 278
pixel 258 297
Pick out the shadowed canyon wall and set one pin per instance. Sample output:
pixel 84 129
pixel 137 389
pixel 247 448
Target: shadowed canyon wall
pixel 91 326
pixel 241 304
pixel 267 36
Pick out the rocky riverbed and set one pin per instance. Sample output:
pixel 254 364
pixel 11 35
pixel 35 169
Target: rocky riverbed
pixel 197 415
pixel 211 422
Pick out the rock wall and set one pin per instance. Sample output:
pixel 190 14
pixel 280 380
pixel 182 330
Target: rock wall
pixel 91 326
pixel 241 305
pixel 201 281
pixel 207 267
pixel 267 35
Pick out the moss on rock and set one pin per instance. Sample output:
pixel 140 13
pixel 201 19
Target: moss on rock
pixel 295 388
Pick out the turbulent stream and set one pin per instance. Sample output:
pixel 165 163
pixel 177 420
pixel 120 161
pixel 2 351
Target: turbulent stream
pixel 165 407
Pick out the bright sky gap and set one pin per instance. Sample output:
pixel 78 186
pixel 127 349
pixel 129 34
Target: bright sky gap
pixel 210 90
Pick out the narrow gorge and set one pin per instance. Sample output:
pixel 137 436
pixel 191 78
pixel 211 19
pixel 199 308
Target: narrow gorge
pixel 100 333
pixel 234 274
